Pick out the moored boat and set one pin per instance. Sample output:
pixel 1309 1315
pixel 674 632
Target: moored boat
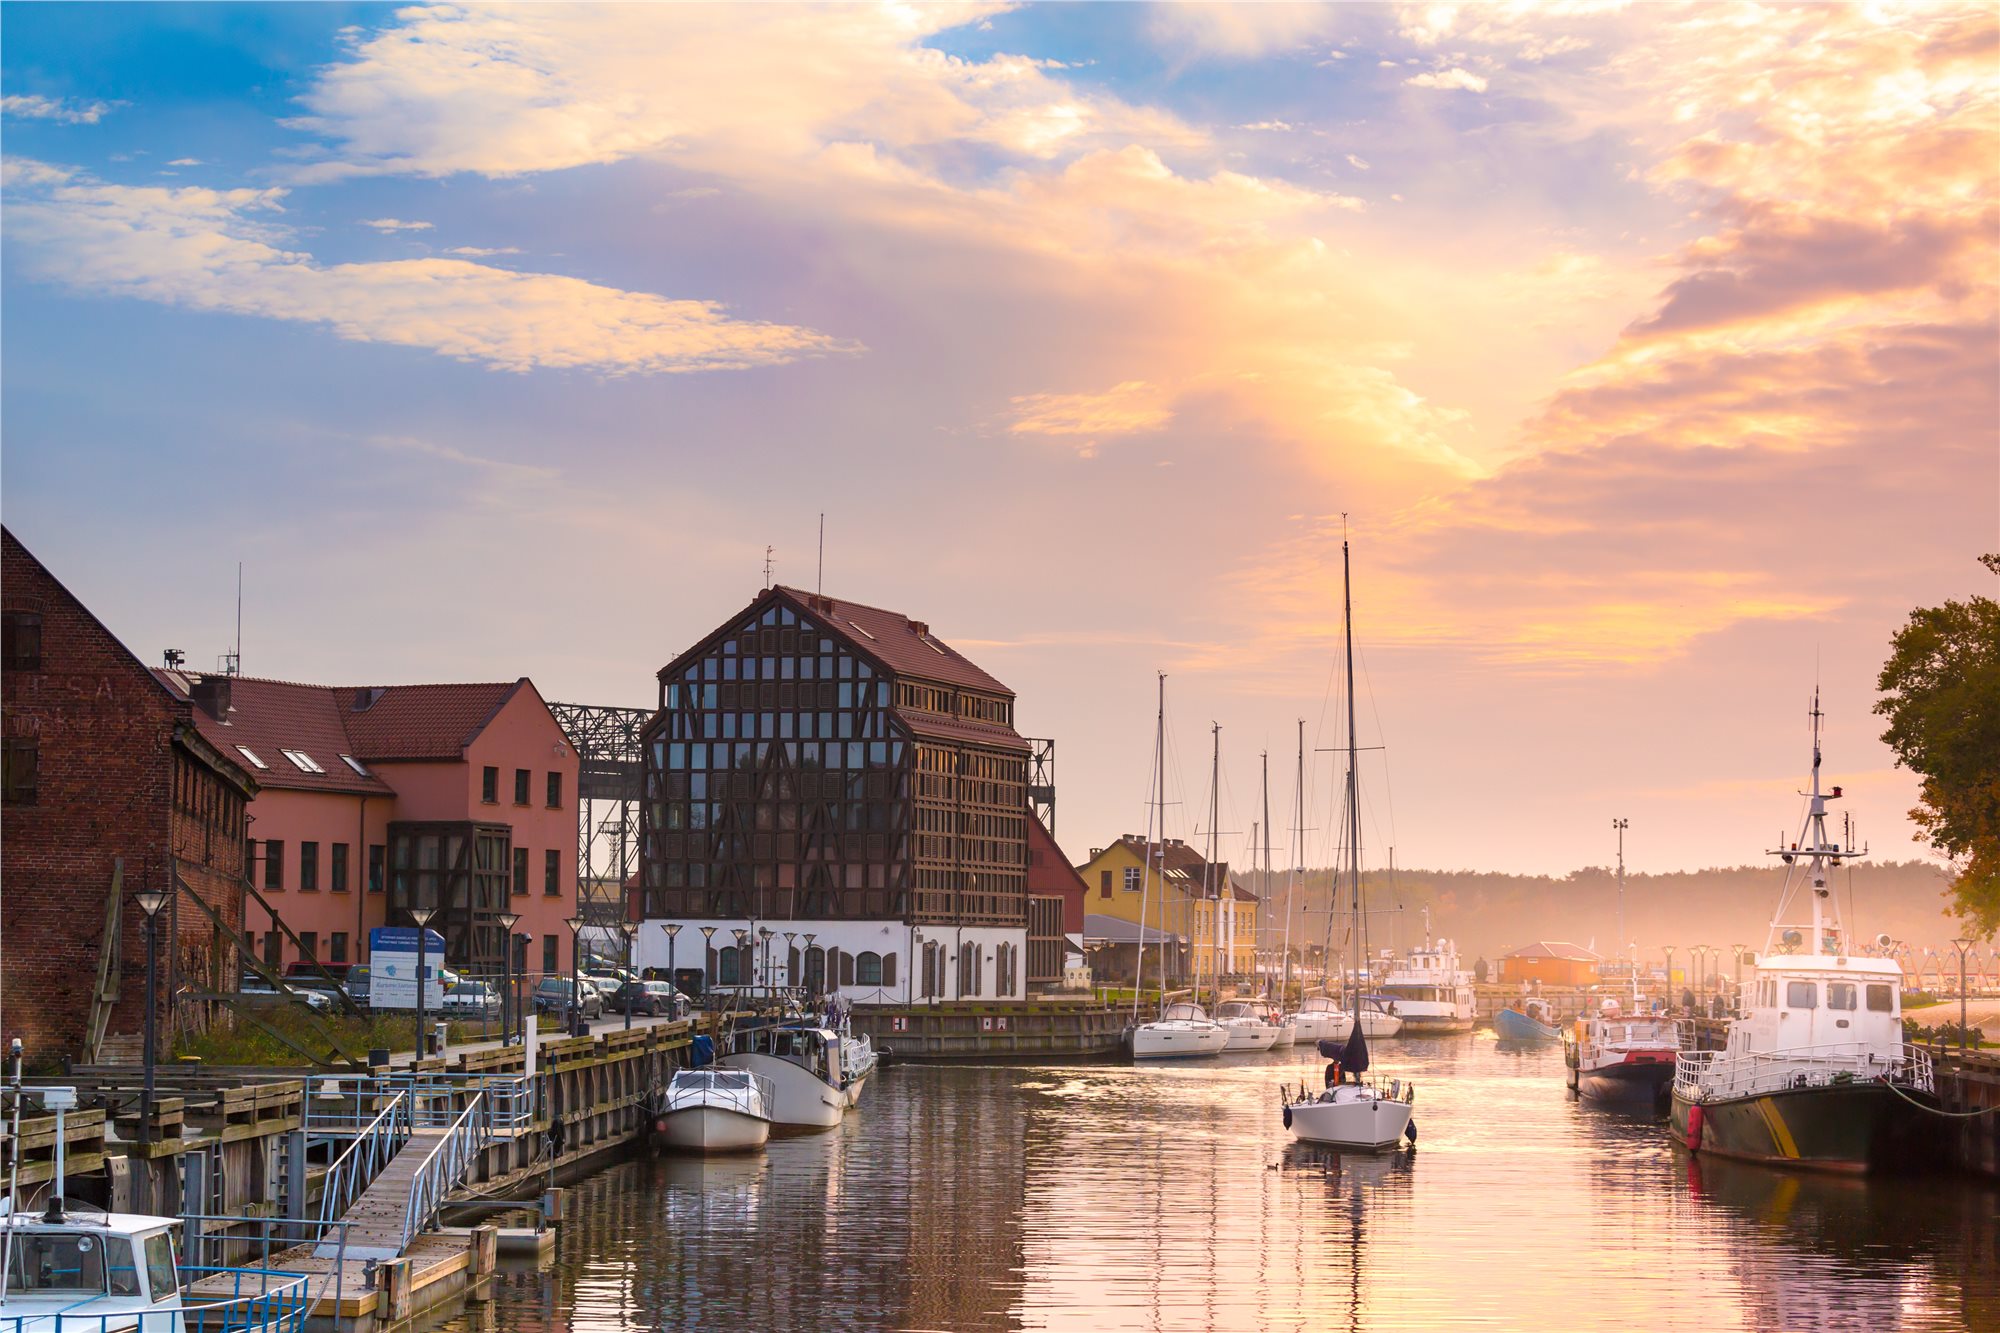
pixel 1182 1030
pixel 1815 1072
pixel 1429 991
pixel 1321 1018
pixel 803 1065
pixel 1530 1023
pixel 1249 1025
pixel 1614 1056
pixel 715 1110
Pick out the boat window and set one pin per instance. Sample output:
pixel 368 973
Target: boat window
pixel 1801 995
pixel 56 1261
pixel 1840 995
pixel 121 1272
pixel 160 1277
pixel 1881 1000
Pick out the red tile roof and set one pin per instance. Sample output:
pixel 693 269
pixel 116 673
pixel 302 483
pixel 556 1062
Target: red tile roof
pixel 905 646
pixel 962 730
pixel 1183 866
pixel 1555 949
pixel 414 722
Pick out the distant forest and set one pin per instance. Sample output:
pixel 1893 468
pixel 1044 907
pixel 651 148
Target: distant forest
pixel 1489 914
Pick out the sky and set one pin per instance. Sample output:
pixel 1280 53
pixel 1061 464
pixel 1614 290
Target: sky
pixel 1645 356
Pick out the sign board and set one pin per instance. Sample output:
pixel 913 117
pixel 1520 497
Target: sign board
pixel 392 968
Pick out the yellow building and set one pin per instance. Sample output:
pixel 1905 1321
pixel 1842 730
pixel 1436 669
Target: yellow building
pixel 1183 896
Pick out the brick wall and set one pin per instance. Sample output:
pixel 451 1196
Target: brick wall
pixel 104 736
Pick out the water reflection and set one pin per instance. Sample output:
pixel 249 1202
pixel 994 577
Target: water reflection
pixel 1121 1197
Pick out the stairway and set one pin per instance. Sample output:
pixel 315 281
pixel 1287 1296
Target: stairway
pixel 377 1217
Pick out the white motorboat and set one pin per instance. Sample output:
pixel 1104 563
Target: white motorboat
pixel 1250 1025
pixel 1358 1116
pixel 1430 992
pixel 1321 1018
pixel 1181 1031
pixel 857 1061
pixel 809 1084
pixel 716 1110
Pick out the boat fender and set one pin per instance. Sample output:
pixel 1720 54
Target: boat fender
pixel 1694 1128
pixel 1410 1094
pixel 1288 1117
pixel 1410 1132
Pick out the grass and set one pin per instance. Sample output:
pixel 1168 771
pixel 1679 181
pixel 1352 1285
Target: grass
pixel 245 1043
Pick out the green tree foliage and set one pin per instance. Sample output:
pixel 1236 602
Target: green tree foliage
pixel 1941 694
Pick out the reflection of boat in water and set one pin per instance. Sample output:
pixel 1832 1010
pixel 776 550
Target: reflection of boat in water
pixel 1815 1071
pixel 1534 1021
pixel 716 1110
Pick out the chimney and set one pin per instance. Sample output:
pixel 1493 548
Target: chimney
pixel 920 629
pixel 211 696
pixel 365 697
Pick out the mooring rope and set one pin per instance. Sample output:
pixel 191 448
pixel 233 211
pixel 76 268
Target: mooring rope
pixel 1935 1110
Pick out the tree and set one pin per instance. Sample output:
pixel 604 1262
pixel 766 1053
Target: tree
pixel 1941 694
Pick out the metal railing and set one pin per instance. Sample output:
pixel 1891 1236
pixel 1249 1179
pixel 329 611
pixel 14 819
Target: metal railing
pixel 443 1168
pixel 1701 1076
pixel 372 1149
pixel 732 1089
pixel 277 1302
pixel 340 1102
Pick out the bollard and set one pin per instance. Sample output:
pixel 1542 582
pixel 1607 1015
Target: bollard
pixel 392 1285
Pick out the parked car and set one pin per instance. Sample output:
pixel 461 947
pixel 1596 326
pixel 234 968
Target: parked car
pixel 471 999
pixel 552 996
pixel 357 984
pixel 649 997
pixel 304 971
pixel 254 987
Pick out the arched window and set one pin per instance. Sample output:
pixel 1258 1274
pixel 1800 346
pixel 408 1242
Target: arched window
pixel 846 968
pixel 868 969
pixel 726 973
pixel 888 969
pixel 815 971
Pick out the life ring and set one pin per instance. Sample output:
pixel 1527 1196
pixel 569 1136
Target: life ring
pixel 1694 1129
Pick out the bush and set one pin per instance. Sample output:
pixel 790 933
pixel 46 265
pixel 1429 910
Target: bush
pixel 245 1043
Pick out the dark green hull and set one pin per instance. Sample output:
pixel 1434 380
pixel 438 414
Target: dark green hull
pixel 1851 1127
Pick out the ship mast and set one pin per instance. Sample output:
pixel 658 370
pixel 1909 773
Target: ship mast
pixel 1821 855
pixel 1353 787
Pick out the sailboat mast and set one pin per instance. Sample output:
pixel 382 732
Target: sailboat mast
pixel 1298 851
pixel 1160 776
pixel 1353 788
pixel 1139 968
pixel 1264 880
pixel 1213 889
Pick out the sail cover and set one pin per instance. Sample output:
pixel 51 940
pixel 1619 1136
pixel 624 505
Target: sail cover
pixel 1354 1058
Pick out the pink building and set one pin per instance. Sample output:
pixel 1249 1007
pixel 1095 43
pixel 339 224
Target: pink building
pixel 375 799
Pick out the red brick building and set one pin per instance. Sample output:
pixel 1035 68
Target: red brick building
pixel 1056 894
pixel 104 767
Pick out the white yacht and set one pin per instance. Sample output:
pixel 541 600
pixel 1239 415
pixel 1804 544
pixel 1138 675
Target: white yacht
pixel 1321 1018
pixel 1182 1030
pixel 809 1083
pixel 1247 1021
pixel 716 1110
pixel 1362 1116
pixel 1429 991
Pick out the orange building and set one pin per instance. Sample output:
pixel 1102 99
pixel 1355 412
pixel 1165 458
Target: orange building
pixel 1551 962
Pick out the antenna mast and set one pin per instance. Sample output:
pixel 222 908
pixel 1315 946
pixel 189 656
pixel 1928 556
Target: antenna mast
pixel 819 587
pixel 768 552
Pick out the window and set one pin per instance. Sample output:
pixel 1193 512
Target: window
pixel 251 755
pixel 552 873
pixel 71 1263
pixel 521 776
pixel 1104 883
pixel 309 944
pixel 550 963
pixel 555 790
pixel 308 867
pixel 336 947
pixel 1840 995
pixel 23 763
pixel 378 858
pixel 22 635
pixel 489 785
pixel 354 764
pixel 520 872
pixel 161 1279
pixel 1881 999
pixel 339 867
pixel 274 950
pixel 520 950
pixel 1132 876
pixel 302 761
pixel 1801 995
pixel 274 863
pixel 868 969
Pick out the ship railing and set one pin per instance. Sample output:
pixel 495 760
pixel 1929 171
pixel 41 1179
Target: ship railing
pixel 371 1150
pixel 442 1168
pixel 262 1301
pixel 1709 1075
pixel 732 1089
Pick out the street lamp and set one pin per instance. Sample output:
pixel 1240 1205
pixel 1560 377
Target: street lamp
pixel 1737 950
pixel 1621 825
pixel 809 937
pixel 1699 954
pixel 707 948
pixel 672 928
pixel 764 934
pixel 576 925
pixel 630 928
pixel 507 920
pixel 1964 1029
pixel 790 980
pixel 422 916
pixel 150 902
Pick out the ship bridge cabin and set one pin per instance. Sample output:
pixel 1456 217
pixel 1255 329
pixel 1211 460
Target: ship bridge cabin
pixel 1821 1002
pixel 835 799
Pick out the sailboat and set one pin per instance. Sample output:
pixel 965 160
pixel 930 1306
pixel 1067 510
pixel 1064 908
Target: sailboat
pixel 1815 1072
pixel 1248 1025
pixel 1351 1112
pixel 1182 1030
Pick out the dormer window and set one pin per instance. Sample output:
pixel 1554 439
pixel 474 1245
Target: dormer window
pixel 354 764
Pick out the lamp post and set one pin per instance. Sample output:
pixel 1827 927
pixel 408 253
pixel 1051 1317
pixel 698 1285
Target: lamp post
pixel 790 980
pixel 1668 949
pixel 630 929
pixel 576 925
pixel 422 916
pixel 672 928
pixel 1698 954
pixel 1964 1029
pixel 742 951
pixel 808 937
pixel 764 934
pixel 508 920
pixel 1621 825
pixel 150 902
pixel 707 947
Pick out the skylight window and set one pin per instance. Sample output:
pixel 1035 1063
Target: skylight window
pixel 864 633
pixel 302 761
pixel 354 764
pixel 251 755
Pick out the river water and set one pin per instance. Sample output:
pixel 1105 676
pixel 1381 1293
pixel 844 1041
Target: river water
pixel 1107 1197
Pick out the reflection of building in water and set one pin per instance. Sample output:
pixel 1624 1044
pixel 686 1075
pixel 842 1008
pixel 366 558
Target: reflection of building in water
pixel 1852 1254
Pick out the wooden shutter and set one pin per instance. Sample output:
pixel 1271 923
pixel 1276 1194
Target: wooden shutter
pixel 846 969
pixel 888 969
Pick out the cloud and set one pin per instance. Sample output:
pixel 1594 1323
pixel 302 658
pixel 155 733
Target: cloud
pixel 1461 79
pixel 62 110
pixel 185 162
pixel 225 251
pixel 1130 408
pixel 1357 163
pixel 1274 125
pixel 394 224
pixel 483 252
pixel 1238 31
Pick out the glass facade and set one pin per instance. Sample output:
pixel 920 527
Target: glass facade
pixel 782 781
pixel 463 871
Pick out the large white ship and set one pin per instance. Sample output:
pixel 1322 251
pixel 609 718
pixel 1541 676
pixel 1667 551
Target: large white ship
pixel 1429 991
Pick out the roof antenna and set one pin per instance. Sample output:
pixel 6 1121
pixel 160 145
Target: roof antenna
pixel 232 662
pixel 819 587
pixel 767 567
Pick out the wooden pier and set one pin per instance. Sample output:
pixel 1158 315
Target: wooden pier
pixel 1022 1031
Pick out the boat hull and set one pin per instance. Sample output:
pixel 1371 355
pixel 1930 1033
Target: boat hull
pixel 1632 1083
pixel 1433 1025
pixel 1249 1036
pixel 1512 1025
pixel 801 1099
pixel 1169 1041
pixel 1368 1125
pixel 712 1129
pixel 1845 1127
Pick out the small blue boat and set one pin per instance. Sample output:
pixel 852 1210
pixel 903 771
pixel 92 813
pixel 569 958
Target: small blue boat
pixel 1513 1025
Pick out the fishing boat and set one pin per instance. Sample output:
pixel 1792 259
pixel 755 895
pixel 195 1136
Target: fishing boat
pixel 716 1110
pixel 1251 1025
pixel 1532 1022
pixel 1616 1056
pixel 802 1062
pixel 1429 991
pixel 858 1057
pixel 1349 1111
pixel 1815 1072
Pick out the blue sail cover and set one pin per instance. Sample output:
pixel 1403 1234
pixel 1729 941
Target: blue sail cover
pixel 1354 1058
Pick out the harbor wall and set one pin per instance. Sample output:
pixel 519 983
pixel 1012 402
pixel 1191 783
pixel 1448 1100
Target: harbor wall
pixel 1024 1030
